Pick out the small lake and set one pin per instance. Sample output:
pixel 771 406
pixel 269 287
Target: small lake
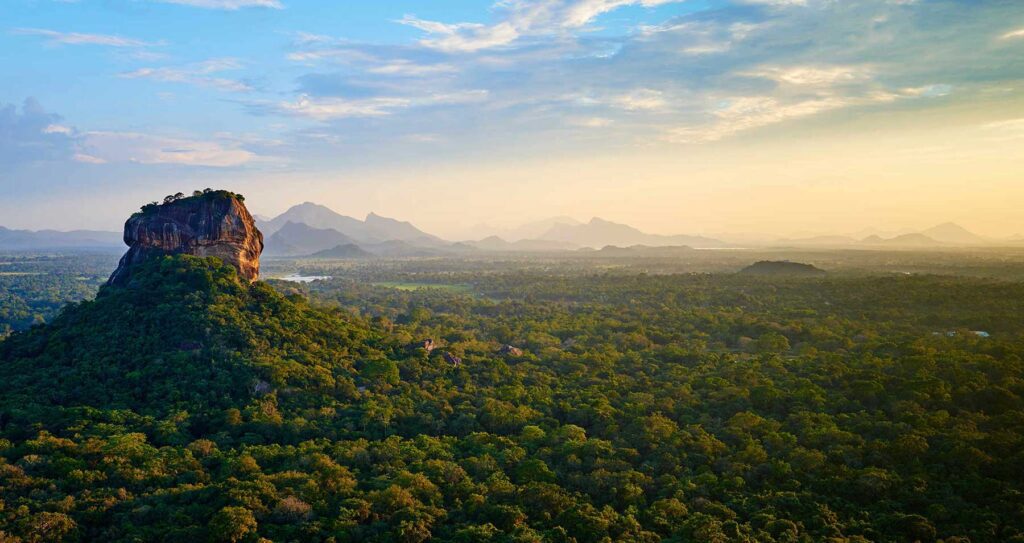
pixel 295 278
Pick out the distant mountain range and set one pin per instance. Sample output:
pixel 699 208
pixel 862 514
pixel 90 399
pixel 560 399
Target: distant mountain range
pixel 600 233
pixel 944 235
pixel 300 239
pixel 529 231
pixel 905 240
pixel 314 231
pixel 20 240
pixel 494 243
pixel 374 229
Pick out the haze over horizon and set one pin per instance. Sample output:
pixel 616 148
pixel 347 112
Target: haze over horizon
pixel 775 117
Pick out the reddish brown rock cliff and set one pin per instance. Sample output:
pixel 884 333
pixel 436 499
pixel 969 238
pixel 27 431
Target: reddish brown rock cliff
pixel 213 223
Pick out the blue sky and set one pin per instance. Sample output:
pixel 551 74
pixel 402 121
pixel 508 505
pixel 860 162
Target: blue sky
pixel 508 111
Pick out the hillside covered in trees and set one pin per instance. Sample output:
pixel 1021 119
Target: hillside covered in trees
pixel 191 406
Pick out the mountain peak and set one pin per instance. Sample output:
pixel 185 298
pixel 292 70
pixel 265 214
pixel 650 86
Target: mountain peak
pixel 372 217
pixel 950 232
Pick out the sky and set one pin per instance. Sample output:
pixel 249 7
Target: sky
pixel 748 117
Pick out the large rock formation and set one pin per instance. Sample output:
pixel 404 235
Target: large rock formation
pixel 210 223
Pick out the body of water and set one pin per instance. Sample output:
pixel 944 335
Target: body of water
pixel 295 278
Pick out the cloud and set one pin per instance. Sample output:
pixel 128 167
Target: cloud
pixel 57 129
pixel 716 72
pixel 1007 130
pixel 229 5
pixel 777 3
pixel 103 147
pixel 742 113
pixel 88 159
pixel 591 122
pixel 928 91
pixel 463 37
pixel 200 73
pixel 31 134
pixel 813 76
pixel 1013 34
pixel 580 13
pixel 518 19
pixel 329 108
pixel 402 67
pixel 313 49
pixel 640 100
pixel 77 38
pixel 323 109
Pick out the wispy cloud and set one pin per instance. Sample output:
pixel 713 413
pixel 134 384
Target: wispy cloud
pixel 103 147
pixel 230 5
pixel 699 37
pixel 200 73
pixel 324 109
pixel 404 67
pixel 590 122
pixel 640 100
pixel 813 76
pixel 1008 130
pixel 781 3
pixel 1014 34
pixel 78 38
pixel 743 113
pixel 736 114
pixel 518 19
pixel 313 49
pixel 463 37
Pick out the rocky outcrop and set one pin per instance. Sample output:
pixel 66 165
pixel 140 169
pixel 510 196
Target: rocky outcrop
pixel 510 350
pixel 450 358
pixel 210 223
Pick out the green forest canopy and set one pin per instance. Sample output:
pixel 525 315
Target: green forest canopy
pixel 191 407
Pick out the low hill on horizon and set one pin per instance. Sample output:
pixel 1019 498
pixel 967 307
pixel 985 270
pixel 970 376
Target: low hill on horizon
pixel 349 250
pixel 782 268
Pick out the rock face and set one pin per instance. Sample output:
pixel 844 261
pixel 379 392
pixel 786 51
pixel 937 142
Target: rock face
pixel 211 223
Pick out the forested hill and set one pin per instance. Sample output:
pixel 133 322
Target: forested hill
pixel 782 268
pixel 185 336
pixel 190 406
